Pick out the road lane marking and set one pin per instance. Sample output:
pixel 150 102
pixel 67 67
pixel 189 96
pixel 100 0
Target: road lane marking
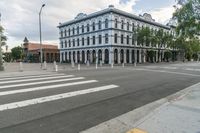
pixel 41 82
pixel 53 97
pixel 163 71
pixel 45 87
pixel 24 77
pixel 35 79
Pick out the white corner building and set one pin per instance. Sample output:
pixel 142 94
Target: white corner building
pixel 106 36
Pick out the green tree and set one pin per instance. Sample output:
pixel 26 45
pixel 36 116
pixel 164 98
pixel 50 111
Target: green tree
pixel 17 53
pixel 2 43
pixel 187 15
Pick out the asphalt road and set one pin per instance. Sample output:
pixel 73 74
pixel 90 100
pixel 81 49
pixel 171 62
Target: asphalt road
pixel 46 112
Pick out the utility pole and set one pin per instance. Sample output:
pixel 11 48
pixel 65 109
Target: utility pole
pixel 1 56
pixel 40 29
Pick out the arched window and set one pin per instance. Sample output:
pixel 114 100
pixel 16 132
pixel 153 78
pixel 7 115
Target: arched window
pixel 69 32
pixel 116 23
pixel 99 25
pixel 106 23
pixel 127 25
pixel 127 41
pixel 106 38
pixel 73 42
pixel 78 30
pixel 133 27
pixel 73 31
pixel 82 28
pixel 65 32
pixel 122 25
pixel 93 26
pixel 88 28
pixel 65 44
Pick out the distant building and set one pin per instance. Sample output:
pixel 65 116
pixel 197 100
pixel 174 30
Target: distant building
pixel 32 52
pixel 107 36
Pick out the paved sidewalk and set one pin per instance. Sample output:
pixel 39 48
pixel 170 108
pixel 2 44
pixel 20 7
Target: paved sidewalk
pixel 178 113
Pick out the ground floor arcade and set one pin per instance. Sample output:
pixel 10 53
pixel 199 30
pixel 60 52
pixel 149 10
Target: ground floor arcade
pixel 111 55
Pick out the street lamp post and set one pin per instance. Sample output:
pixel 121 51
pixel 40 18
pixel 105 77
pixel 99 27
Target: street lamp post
pixel 1 57
pixel 40 29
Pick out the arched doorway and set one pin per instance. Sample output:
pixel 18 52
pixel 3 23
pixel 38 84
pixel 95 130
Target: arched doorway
pixel 127 56
pixel 74 54
pixel 70 57
pixel 122 56
pixel 115 56
pixel 99 55
pixel 78 56
pixel 93 56
pixel 106 56
pixel 83 56
pixel 133 56
pixel 88 55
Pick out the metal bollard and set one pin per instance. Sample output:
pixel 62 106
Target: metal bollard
pixel 112 65
pixel 79 67
pixel 73 65
pixel 96 66
pixel 20 67
pixel 45 65
pixel 122 64
pixel 134 64
pixel 54 65
pixel 88 63
pixel 101 64
pixel 56 68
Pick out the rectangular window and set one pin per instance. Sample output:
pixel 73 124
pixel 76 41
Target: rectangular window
pixel 106 38
pixel 73 42
pixel 115 38
pixel 100 39
pixel 83 43
pixel 69 43
pixel 127 41
pixel 82 28
pixel 122 39
pixel 93 40
pixel 78 42
pixel 88 40
pixel 78 30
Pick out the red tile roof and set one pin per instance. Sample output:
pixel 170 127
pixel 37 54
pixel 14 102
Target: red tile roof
pixel 36 46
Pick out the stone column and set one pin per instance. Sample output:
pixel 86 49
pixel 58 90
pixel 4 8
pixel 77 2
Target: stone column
pixel 60 57
pixel 111 57
pixel 125 56
pixel 85 56
pixel 97 57
pixel 64 58
pixel 119 57
pixel 80 56
pixel 135 55
pixel 140 56
pixel 103 56
pixel 130 56
pixel 76 58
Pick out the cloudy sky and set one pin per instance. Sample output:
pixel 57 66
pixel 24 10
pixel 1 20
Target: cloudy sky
pixel 20 17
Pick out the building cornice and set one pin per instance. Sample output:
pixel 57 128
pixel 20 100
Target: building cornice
pixel 116 11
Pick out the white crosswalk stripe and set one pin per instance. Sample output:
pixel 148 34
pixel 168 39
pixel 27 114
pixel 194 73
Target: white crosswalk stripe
pixel 46 87
pixel 26 80
pixel 26 77
pixel 44 82
pixel 53 97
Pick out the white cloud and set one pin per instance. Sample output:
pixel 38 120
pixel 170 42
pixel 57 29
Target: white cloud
pixel 163 15
pixel 20 18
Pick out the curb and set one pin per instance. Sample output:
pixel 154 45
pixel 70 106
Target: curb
pixel 127 122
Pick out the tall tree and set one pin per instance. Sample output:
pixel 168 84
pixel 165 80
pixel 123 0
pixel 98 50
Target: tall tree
pixel 17 53
pixel 2 43
pixel 187 15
